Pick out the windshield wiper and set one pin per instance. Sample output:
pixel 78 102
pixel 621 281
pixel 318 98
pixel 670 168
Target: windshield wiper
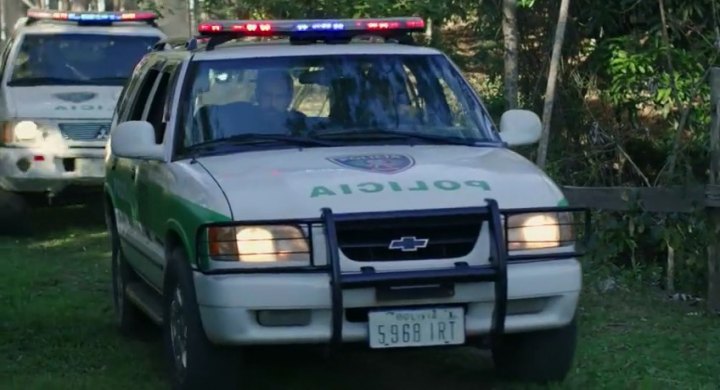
pixel 114 80
pixel 255 138
pixel 374 134
pixel 33 81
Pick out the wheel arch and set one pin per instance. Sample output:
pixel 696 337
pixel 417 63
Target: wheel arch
pixel 176 238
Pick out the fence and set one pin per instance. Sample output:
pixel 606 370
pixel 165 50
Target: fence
pixel 672 199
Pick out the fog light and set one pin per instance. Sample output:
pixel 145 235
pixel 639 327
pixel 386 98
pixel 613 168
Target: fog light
pixel 283 317
pixel 23 164
pixel 526 306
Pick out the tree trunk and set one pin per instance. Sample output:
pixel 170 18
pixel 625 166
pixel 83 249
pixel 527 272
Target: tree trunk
pixel 176 18
pixel 3 33
pixel 79 5
pixel 13 11
pixel 120 5
pixel 510 35
pixel 552 80
pixel 713 298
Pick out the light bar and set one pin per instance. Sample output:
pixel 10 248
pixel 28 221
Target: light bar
pixel 327 28
pixel 89 17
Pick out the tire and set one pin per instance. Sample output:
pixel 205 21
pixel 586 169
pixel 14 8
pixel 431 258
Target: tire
pixel 128 317
pixel 202 365
pixel 14 214
pixel 542 356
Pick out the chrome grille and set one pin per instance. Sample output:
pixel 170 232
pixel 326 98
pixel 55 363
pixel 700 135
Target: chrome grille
pixel 84 131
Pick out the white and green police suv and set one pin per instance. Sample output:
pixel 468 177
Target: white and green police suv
pixel 60 77
pixel 330 182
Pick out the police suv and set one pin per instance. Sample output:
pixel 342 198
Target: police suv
pixel 60 77
pixel 332 182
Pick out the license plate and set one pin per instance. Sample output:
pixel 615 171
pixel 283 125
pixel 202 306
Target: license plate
pixel 90 167
pixel 416 327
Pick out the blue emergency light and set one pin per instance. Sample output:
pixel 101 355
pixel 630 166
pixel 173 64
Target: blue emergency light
pixel 315 28
pixel 92 18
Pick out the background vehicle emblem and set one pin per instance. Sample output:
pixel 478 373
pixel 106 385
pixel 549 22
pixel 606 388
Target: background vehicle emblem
pixel 102 133
pixel 409 243
pixel 381 163
pixel 75 97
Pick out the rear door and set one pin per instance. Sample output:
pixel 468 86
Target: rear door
pixel 124 173
pixel 154 180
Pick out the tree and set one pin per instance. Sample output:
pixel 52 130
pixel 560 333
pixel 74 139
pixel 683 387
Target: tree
pixel 552 80
pixel 510 36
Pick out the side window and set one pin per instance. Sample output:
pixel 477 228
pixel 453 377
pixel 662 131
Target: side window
pixel 139 102
pixel 125 99
pixel 5 56
pixel 155 110
pixel 174 69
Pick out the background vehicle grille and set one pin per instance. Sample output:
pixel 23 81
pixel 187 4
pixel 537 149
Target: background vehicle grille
pixel 449 237
pixel 83 131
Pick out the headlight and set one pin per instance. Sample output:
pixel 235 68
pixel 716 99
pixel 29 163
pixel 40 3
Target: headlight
pixel 538 230
pixel 22 131
pixel 270 245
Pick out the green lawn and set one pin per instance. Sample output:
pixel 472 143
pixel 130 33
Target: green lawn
pixel 56 332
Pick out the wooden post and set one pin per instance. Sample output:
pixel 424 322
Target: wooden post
pixel 714 247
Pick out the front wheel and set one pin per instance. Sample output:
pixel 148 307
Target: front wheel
pixel 194 361
pixel 14 214
pixel 540 356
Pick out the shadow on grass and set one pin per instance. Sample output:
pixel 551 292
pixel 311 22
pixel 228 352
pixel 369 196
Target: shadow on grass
pixel 50 220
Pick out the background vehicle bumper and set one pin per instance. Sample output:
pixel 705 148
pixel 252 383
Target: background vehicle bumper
pixel 37 170
pixel 541 295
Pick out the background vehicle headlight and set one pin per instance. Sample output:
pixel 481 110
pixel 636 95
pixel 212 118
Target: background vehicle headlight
pixel 538 230
pixel 276 245
pixel 21 131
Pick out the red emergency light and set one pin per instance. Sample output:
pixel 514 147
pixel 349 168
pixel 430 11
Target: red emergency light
pixel 315 27
pixel 91 17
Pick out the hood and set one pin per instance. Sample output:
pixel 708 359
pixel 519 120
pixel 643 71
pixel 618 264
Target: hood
pixel 62 102
pixel 299 183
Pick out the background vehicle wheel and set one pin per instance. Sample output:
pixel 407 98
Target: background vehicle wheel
pixel 194 361
pixel 541 356
pixel 128 317
pixel 14 214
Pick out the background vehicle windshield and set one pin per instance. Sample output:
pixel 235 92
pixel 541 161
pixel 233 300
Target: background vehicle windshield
pixel 72 59
pixel 319 95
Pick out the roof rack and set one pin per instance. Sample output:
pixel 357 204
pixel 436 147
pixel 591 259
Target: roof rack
pixel 308 31
pixel 91 18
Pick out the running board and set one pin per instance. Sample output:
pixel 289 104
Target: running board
pixel 146 299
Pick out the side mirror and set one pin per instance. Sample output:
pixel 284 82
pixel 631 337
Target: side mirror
pixel 520 127
pixel 135 139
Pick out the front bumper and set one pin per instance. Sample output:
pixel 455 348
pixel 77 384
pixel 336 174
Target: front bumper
pixel 541 295
pixel 35 169
pixel 524 294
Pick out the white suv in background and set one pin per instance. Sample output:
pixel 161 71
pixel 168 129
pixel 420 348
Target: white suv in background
pixel 60 77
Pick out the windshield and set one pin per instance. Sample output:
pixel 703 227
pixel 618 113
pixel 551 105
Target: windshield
pixel 343 98
pixel 78 59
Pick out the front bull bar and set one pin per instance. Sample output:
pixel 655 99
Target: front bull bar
pixel 496 272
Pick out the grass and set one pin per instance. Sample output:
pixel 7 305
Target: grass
pixel 56 332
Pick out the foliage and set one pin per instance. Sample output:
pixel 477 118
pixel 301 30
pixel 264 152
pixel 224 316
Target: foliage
pixel 622 95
